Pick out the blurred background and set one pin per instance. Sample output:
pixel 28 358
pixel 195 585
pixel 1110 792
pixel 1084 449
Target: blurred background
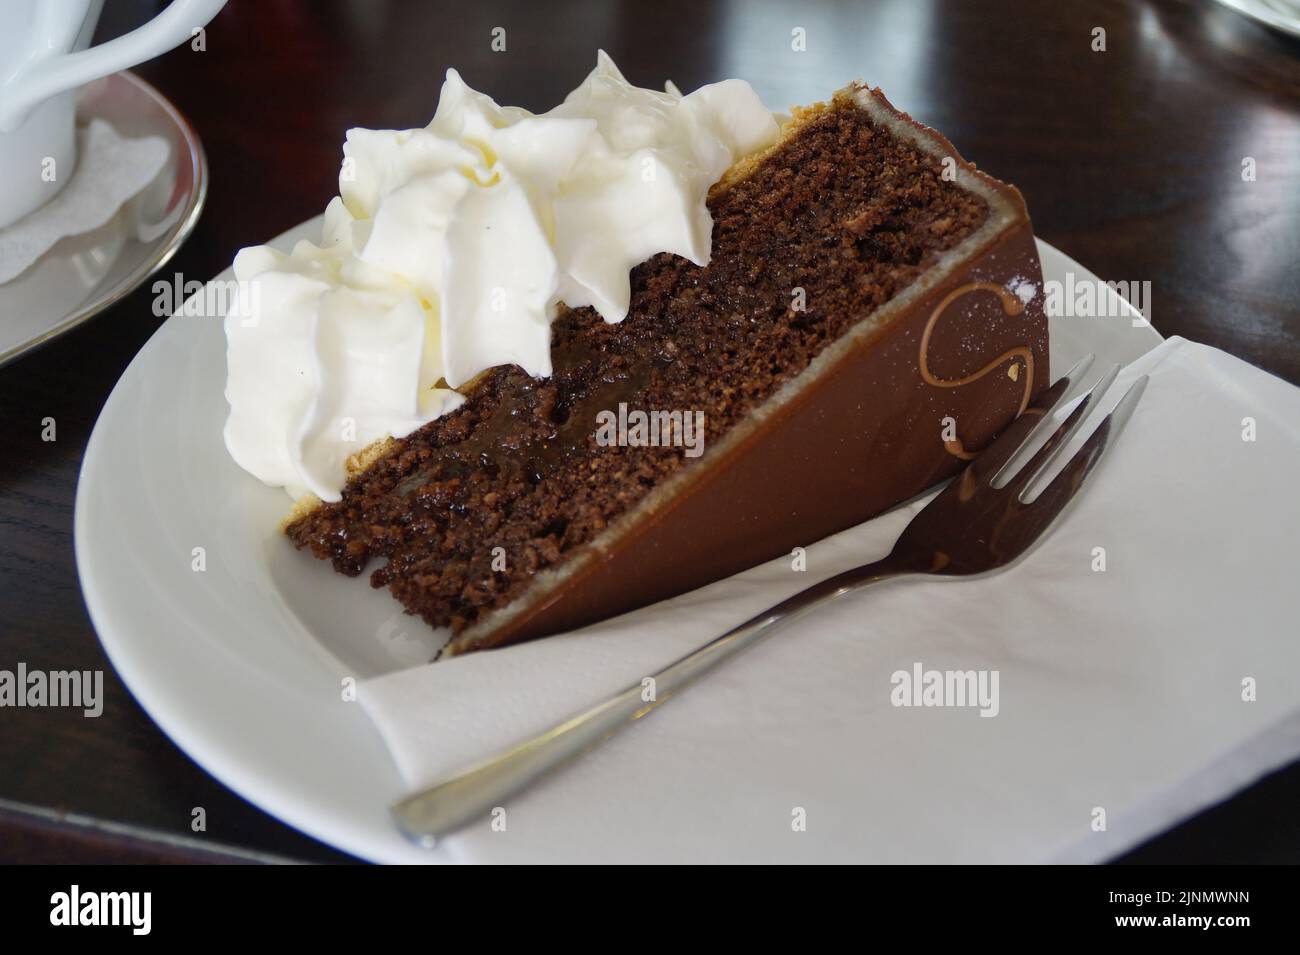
pixel 1129 158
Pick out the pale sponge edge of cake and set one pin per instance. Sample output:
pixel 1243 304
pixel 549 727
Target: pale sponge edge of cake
pixel 356 464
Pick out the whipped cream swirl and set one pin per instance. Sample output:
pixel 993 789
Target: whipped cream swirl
pixel 448 250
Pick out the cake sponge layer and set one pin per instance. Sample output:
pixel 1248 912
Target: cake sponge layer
pixel 814 373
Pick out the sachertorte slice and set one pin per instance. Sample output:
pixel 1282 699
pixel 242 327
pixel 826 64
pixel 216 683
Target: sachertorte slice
pixel 870 318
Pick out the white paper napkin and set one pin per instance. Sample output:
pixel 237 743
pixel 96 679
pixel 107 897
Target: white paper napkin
pixel 110 171
pixel 1120 690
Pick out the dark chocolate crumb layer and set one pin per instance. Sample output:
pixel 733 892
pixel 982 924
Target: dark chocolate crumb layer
pixel 467 509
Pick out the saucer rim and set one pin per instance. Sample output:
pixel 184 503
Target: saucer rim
pixel 166 246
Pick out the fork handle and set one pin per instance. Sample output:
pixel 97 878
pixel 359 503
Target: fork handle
pixel 473 793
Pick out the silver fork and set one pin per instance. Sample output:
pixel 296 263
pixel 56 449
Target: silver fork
pixel 983 520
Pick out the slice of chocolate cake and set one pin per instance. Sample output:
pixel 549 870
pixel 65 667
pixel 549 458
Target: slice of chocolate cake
pixel 870 318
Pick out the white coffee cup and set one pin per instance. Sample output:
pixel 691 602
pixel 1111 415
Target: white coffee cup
pixel 43 59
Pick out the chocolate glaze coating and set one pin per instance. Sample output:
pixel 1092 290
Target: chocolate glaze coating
pixel 865 433
pixel 862 438
pixel 923 334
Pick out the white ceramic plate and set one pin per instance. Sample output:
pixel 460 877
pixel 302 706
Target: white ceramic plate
pixel 241 663
pixel 83 275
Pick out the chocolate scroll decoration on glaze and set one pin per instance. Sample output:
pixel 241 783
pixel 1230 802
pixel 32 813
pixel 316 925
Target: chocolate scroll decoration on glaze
pixel 1011 306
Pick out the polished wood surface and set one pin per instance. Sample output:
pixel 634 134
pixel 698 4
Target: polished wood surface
pixel 1130 159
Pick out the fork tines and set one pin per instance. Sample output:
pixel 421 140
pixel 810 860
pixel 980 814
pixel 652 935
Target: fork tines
pixel 1008 472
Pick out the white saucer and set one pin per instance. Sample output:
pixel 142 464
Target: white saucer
pixel 242 663
pixel 1281 15
pixel 83 275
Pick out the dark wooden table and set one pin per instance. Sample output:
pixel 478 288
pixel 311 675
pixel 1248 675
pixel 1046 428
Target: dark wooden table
pixel 1130 159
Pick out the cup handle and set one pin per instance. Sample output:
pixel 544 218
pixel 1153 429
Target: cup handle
pixel 54 74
